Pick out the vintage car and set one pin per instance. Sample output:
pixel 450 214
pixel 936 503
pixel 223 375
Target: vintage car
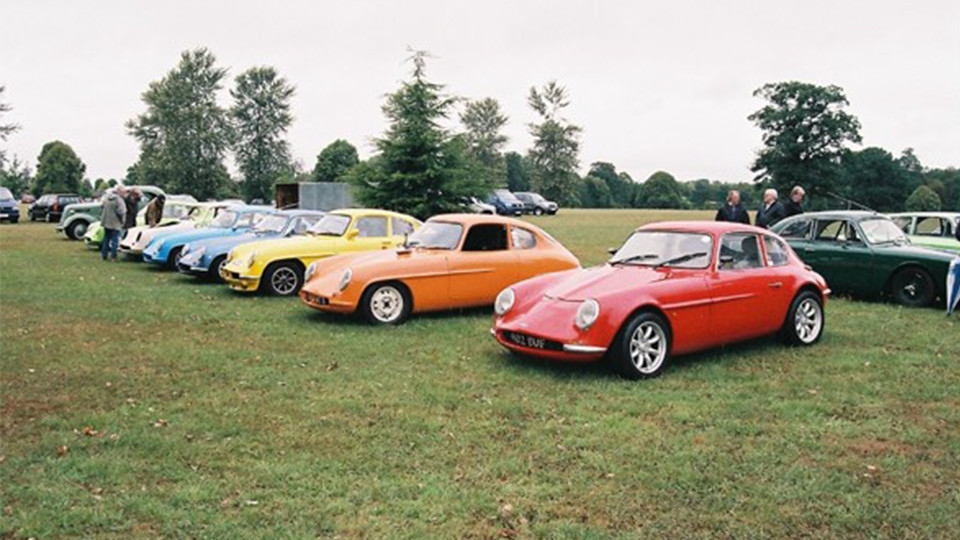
pixel 179 206
pixel 937 230
pixel 276 266
pixel 866 254
pixel 77 217
pixel 672 288
pixel 199 215
pixel 165 248
pixel 453 261
pixel 205 258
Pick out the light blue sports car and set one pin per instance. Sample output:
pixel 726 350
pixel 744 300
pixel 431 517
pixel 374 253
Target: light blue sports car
pixel 165 248
pixel 203 258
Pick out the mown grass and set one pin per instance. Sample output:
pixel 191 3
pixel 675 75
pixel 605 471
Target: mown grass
pixel 137 403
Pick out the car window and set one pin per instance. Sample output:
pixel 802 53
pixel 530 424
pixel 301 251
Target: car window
pixel 776 251
pixel 522 238
pixel 903 222
pixel 739 251
pixel 301 224
pixel 798 229
pixel 486 238
pixel 247 219
pixel 372 226
pixel 401 226
pixel 931 226
pixel 836 230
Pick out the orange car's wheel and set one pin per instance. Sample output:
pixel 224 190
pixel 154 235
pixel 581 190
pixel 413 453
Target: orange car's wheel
pixel 386 303
pixel 642 349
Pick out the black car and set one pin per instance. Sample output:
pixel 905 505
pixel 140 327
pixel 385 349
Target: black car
pixel 505 203
pixel 534 203
pixel 50 207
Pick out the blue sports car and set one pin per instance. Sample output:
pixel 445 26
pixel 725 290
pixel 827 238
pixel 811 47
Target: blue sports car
pixel 203 258
pixel 165 248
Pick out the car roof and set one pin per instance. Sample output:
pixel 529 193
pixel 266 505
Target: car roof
pixel 354 212
pixel 711 227
pixel 300 212
pixel 948 215
pixel 472 219
pixel 841 214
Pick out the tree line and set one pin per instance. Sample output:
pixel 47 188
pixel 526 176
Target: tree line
pixel 423 166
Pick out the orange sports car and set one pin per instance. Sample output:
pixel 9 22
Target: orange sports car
pixel 452 261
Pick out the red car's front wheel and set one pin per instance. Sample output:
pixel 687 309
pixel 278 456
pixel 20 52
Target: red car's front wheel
pixel 642 348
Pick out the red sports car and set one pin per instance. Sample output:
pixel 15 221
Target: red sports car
pixel 672 288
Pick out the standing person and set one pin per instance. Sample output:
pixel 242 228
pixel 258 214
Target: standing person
pixel 953 279
pixel 794 206
pixel 771 211
pixel 132 203
pixel 114 214
pixel 733 211
pixel 155 210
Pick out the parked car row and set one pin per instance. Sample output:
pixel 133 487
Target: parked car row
pixel 507 203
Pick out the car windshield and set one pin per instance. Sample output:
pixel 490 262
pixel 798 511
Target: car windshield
pixel 331 225
pixel 224 219
pixel 506 196
pixel 5 194
pixel 178 211
pixel 271 224
pixel 882 231
pixel 665 248
pixel 536 197
pixel 436 235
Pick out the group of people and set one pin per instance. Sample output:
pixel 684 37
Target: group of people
pixel 770 212
pixel 120 208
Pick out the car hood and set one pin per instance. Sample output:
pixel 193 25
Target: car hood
pixel 185 237
pixel 918 252
pixel 223 244
pixel 298 246
pixel 604 281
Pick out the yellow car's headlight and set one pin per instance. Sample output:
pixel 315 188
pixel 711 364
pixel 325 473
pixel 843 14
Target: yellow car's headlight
pixel 249 260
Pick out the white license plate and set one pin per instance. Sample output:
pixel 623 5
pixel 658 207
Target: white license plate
pixel 2 215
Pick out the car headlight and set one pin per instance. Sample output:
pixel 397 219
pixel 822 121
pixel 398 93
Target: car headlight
pixel 587 314
pixel 345 279
pixel 504 302
pixel 249 262
pixel 311 269
pixel 185 250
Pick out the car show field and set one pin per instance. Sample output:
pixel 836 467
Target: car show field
pixel 140 403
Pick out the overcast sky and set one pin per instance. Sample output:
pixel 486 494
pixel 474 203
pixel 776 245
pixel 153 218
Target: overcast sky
pixel 655 85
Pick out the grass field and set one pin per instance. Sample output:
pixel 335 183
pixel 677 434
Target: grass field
pixel 137 403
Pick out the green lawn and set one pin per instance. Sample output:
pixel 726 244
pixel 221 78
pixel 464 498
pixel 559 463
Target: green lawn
pixel 138 403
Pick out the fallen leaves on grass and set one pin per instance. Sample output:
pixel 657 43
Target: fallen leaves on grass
pixel 161 423
pixel 62 450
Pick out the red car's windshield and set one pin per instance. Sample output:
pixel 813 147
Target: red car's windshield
pixel 665 248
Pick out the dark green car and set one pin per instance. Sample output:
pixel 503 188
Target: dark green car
pixel 865 254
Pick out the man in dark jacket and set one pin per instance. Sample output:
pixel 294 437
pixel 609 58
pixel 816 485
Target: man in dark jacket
pixel 771 211
pixel 732 210
pixel 795 205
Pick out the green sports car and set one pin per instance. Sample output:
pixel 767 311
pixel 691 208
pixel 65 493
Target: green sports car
pixel 866 254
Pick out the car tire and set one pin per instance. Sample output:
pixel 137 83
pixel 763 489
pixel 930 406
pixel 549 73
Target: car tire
pixel 912 287
pixel 805 320
pixel 538 211
pixel 14 220
pixel 213 273
pixel 642 348
pixel 387 303
pixel 282 279
pixel 77 229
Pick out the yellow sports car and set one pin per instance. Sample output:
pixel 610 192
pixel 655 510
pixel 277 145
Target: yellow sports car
pixel 276 266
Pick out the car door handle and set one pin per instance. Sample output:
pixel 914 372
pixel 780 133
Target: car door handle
pixel 775 284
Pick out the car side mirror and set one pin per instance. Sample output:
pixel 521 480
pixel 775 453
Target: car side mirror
pixel 613 251
pixel 726 259
pixel 352 233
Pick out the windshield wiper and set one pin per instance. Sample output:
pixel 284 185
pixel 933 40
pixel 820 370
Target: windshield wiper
pixel 681 259
pixel 641 257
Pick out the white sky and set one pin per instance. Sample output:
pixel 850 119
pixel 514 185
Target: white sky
pixel 656 85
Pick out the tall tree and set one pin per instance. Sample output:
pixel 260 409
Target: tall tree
pixel 483 122
pixel 518 172
pixel 334 161
pixel 184 134
pixel 15 176
pixel 661 190
pixel 261 116
pixel 556 145
pixel 5 129
pixel 58 169
pixel 923 199
pixel 421 169
pixel 619 184
pixel 805 132
pixel 873 177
